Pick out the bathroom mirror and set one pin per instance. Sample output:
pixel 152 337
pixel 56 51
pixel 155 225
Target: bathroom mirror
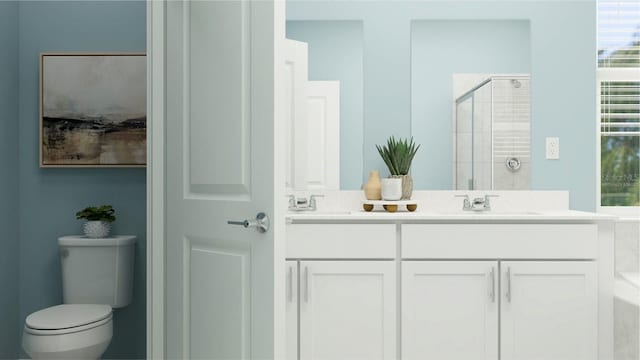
pixel 396 64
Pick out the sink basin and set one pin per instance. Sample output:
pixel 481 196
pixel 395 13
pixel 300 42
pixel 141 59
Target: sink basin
pixel 489 213
pixel 317 212
pixel 506 212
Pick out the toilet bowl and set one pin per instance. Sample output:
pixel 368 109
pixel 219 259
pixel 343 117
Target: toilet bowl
pixel 69 331
pixel 97 277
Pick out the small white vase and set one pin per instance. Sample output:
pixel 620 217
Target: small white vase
pixel 392 189
pixel 97 229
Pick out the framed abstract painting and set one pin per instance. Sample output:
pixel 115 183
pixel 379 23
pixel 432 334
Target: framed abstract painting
pixel 93 110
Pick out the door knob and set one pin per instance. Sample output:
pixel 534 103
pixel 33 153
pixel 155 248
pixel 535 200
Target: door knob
pixel 261 223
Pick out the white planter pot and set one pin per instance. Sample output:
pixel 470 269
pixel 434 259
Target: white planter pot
pixel 97 229
pixel 391 189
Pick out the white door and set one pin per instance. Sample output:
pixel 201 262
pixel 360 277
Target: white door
pixel 347 310
pixel 292 310
pixel 296 75
pixel 224 283
pixel 549 310
pixel 323 135
pixel 450 310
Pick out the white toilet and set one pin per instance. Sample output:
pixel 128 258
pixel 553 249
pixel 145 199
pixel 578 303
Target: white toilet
pixel 97 275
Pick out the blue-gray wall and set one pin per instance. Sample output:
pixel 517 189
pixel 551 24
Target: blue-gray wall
pixel 49 198
pixel 562 62
pixel 9 336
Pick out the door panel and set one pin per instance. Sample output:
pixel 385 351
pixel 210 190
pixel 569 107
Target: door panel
pixel 450 310
pixel 549 310
pixel 217 92
pixel 224 284
pixel 216 268
pixel 347 310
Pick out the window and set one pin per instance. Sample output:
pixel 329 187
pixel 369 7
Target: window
pixel 619 103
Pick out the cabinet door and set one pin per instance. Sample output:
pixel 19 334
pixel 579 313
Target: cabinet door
pixel 549 310
pixel 449 310
pixel 292 309
pixel 347 310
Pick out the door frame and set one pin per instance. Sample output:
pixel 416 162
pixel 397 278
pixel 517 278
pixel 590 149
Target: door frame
pixel 155 179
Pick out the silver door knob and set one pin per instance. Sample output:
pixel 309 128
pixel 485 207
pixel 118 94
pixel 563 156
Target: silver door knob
pixel 261 223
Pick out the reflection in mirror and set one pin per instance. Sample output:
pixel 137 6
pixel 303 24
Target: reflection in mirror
pixel 311 123
pixel 395 62
pixel 492 132
pixel 335 54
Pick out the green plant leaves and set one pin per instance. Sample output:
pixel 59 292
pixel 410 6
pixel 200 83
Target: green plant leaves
pixel 97 213
pixel 398 154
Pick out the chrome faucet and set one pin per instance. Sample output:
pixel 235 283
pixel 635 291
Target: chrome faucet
pixel 477 204
pixel 303 204
pixel 313 202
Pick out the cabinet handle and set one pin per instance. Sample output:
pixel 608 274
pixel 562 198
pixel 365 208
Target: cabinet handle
pixel 306 284
pixel 492 285
pixel 290 294
pixel 508 292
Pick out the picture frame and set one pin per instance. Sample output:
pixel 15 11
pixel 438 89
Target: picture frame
pixel 93 110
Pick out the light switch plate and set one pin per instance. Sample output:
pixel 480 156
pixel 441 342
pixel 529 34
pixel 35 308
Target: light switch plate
pixel 553 148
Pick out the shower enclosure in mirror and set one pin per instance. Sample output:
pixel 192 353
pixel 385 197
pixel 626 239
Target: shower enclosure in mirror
pixel 492 133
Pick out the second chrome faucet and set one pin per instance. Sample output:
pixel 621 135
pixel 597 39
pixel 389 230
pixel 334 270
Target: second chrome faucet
pixel 477 204
pixel 303 204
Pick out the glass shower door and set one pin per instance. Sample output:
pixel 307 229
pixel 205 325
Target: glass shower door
pixel 482 137
pixel 463 161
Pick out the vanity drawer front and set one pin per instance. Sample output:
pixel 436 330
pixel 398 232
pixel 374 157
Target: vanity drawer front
pixel 341 241
pixel 499 241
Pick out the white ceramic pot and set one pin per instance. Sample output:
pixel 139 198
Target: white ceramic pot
pixel 391 189
pixel 97 229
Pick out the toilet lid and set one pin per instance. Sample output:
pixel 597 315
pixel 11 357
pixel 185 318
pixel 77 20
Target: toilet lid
pixel 67 316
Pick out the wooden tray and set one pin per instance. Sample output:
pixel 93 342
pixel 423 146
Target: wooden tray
pixel 390 205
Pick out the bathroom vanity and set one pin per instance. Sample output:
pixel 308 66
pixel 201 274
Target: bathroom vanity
pixel 528 283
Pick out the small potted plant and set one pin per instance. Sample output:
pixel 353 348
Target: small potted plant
pixel 398 155
pixel 99 219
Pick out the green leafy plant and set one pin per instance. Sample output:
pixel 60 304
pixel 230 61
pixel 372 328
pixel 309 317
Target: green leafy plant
pixel 398 154
pixel 97 213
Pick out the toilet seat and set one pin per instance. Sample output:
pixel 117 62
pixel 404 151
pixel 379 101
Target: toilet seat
pixel 88 341
pixel 67 318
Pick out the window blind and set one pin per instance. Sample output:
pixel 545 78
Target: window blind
pixel 620 108
pixel 619 33
pixel 620 142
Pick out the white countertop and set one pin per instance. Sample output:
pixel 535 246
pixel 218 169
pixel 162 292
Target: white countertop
pixel 546 216
pixel 434 206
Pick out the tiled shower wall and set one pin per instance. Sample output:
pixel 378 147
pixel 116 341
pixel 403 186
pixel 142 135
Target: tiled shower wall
pixel 511 133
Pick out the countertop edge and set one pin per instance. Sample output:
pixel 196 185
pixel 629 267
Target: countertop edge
pixel 570 215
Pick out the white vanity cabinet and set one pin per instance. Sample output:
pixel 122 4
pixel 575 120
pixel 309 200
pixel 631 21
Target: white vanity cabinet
pixel 535 307
pixel 449 291
pixel 549 310
pixel 292 309
pixel 467 310
pixel 342 303
pixel 450 310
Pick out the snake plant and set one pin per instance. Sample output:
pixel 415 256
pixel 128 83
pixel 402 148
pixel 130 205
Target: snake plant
pixel 398 154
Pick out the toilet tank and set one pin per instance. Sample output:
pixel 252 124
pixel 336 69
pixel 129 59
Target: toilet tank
pixel 97 271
